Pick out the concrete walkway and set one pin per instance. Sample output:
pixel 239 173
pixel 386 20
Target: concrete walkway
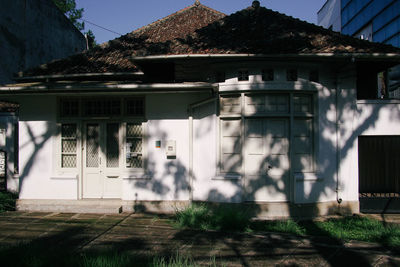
pixel 152 236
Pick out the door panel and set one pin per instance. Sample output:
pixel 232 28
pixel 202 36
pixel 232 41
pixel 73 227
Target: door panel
pixel 267 159
pixel 101 174
pixel 112 179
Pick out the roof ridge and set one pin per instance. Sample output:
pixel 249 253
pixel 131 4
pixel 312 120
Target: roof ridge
pixel 197 4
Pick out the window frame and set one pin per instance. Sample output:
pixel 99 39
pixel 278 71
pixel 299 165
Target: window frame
pixel 58 169
pixel 128 170
pixel 291 115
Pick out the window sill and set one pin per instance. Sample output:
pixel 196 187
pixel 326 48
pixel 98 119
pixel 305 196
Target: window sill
pixel 227 177
pixel 378 101
pixel 307 176
pixel 64 177
pixel 138 176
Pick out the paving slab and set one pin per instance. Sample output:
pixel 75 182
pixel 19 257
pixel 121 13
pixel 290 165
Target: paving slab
pixel 153 236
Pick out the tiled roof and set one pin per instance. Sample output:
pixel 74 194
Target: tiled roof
pixel 114 56
pixel 263 31
pixel 198 29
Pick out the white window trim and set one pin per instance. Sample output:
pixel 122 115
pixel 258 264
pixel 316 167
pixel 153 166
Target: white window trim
pixel 134 173
pixel 221 175
pixel 58 171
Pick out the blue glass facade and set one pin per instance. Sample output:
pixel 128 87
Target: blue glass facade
pixel 383 15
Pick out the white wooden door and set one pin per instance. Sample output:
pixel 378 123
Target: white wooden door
pixel 267 159
pixel 102 157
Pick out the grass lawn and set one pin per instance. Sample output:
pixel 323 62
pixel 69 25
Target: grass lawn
pixel 40 254
pixel 200 216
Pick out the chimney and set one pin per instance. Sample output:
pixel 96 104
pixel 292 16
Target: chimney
pixel 255 4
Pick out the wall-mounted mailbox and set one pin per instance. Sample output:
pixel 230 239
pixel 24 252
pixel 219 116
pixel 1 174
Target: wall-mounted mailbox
pixel 170 148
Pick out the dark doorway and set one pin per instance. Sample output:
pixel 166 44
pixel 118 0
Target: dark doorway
pixel 379 174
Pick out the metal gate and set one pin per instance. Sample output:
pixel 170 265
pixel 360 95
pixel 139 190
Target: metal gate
pixel 379 173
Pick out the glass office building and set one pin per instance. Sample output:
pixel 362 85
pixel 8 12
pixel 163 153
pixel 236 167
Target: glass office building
pixel 374 20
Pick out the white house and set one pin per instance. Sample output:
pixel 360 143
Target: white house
pixel 256 108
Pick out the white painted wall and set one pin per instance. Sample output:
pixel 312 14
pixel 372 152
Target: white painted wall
pixel 165 179
pixel 167 119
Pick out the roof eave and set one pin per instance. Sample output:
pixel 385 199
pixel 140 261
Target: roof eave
pixel 105 88
pixel 394 57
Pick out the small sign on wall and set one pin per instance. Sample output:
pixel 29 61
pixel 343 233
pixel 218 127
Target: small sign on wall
pixel 170 148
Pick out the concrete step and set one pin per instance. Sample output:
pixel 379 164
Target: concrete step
pixel 70 206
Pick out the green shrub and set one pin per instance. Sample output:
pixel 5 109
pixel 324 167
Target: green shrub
pixel 223 218
pixel 7 201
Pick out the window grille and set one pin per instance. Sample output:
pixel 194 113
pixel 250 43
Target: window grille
pixel 134 142
pixel 68 145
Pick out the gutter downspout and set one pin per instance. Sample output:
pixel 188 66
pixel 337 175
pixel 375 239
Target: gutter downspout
pixel 338 199
pixel 190 111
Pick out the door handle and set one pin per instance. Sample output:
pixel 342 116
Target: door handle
pixel 100 161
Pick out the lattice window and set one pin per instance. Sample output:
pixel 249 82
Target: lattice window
pixel 68 145
pixel 134 106
pixel 134 143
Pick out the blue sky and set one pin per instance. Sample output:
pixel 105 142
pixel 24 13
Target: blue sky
pixel 123 16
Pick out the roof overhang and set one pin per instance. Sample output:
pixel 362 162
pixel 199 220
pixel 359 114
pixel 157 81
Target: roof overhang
pixel 105 88
pixel 386 57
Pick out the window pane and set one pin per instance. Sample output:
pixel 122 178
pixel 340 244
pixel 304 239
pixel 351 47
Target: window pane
pixel 135 106
pixel 112 145
pixel 230 104
pixel 303 144
pixel 231 160
pixel 134 143
pixel 291 75
pixel 276 103
pixel 68 145
pixel 102 107
pixel 92 146
pixel 69 108
pixel 302 104
pixel 68 161
pixel 268 75
pixel 243 75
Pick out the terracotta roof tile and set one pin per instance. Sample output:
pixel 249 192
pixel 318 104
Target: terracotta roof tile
pixel 114 56
pixel 198 29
